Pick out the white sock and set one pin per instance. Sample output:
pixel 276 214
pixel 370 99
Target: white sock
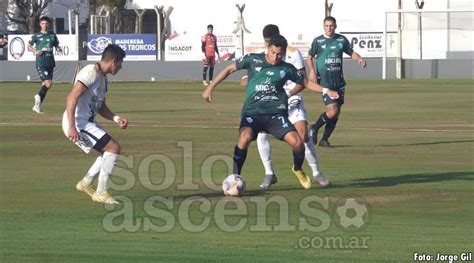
pixel 93 171
pixel 310 154
pixel 265 151
pixel 108 163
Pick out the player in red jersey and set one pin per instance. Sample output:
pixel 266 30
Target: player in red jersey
pixel 209 48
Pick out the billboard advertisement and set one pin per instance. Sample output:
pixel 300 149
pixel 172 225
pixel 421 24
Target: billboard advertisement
pixel 136 46
pixel 17 48
pixel 188 48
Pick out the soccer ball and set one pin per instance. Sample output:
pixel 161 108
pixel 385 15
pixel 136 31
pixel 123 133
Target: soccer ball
pixel 233 185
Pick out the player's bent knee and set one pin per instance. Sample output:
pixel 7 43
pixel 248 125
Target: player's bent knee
pixel 48 84
pixel 112 146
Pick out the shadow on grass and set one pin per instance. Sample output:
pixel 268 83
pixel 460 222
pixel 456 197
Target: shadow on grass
pixel 248 193
pixel 409 179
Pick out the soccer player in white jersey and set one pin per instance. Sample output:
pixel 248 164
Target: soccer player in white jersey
pixel 296 115
pixel 84 102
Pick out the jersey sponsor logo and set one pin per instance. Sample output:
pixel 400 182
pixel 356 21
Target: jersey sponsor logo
pixel 265 88
pixel 320 40
pixel 257 61
pixel 332 60
pixel 270 73
pixel 282 73
pixel 282 106
pixel 249 119
pixel 333 47
pixel 323 46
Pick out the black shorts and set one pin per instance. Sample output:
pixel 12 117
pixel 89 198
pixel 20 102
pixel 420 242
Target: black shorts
pixel 327 100
pixel 45 73
pixel 276 124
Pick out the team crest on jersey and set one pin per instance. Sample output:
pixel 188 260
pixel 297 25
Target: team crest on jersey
pixel 249 119
pixel 258 69
pixel 282 73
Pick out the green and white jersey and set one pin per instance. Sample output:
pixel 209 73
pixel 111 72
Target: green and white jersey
pixel 328 52
pixel 265 93
pixel 45 42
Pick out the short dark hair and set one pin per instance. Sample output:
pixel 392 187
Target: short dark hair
pixel 210 26
pixel 113 51
pixel 278 41
pixel 330 18
pixel 270 30
pixel 45 18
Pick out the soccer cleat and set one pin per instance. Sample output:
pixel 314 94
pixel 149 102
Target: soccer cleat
pixel 303 178
pixel 324 143
pixel 104 198
pixel 205 83
pixel 37 107
pixel 82 187
pixel 268 181
pixel 321 180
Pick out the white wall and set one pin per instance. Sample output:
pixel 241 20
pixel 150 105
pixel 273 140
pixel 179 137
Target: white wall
pixel 299 20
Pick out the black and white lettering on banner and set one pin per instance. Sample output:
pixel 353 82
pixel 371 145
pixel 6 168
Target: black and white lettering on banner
pixel 371 44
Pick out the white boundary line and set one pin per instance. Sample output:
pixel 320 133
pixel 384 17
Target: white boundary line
pixel 20 124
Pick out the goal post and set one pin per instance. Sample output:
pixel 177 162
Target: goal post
pixel 428 35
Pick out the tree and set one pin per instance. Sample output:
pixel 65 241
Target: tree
pixel 26 12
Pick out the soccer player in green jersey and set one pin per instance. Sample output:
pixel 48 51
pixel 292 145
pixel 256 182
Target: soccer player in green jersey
pixel 328 49
pixel 266 102
pixel 41 45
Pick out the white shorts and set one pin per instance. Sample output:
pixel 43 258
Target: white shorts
pixel 89 133
pixel 296 111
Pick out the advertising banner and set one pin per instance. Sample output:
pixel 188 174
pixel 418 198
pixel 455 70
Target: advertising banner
pixel 17 48
pixel 136 46
pixel 372 44
pixel 188 48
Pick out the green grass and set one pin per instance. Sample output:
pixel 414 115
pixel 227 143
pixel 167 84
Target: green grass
pixel 405 147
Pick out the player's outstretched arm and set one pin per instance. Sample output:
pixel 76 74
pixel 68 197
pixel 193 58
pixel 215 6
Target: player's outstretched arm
pixel 318 88
pixel 361 61
pixel 223 74
pixel 105 112
pixel 71 102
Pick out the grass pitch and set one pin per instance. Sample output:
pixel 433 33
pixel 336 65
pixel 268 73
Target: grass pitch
pixel 403 150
